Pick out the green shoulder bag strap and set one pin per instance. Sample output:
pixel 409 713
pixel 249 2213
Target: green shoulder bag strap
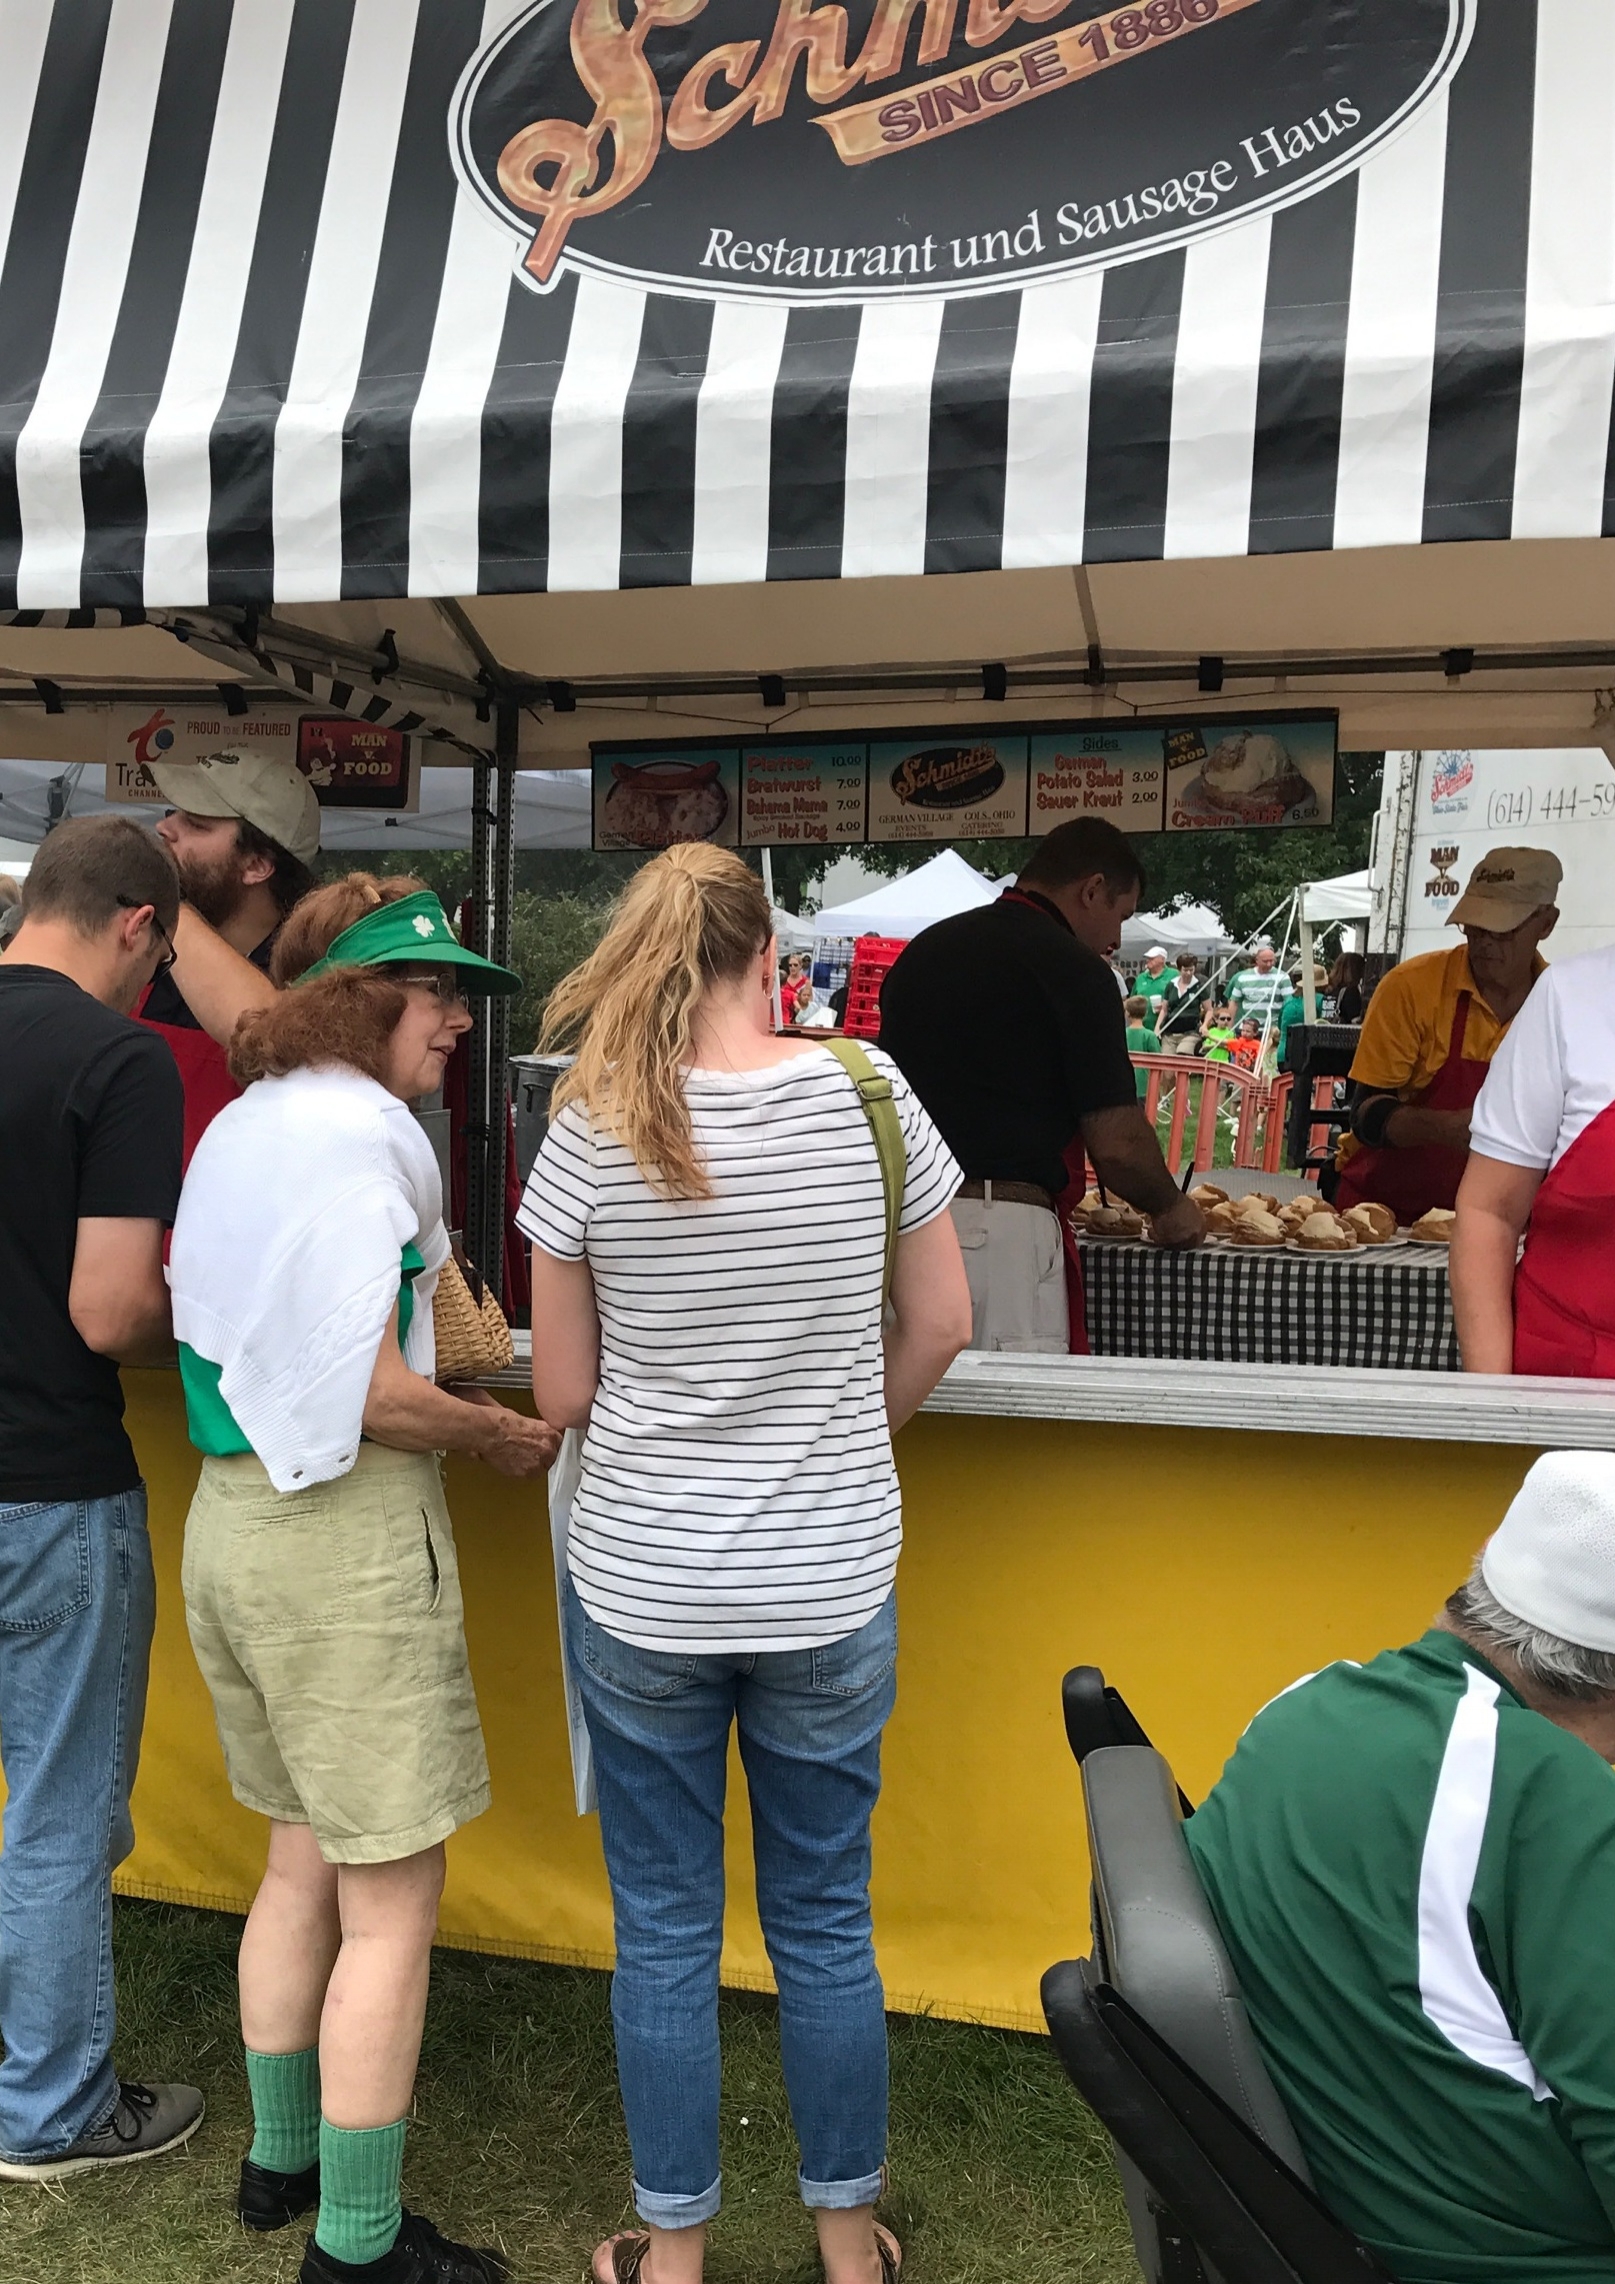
pixel 875 1093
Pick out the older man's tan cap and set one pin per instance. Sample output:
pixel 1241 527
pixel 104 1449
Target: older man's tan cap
pixel 1506 887
pixel 260 788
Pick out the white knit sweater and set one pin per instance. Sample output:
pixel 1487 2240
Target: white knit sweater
pixel 285 1262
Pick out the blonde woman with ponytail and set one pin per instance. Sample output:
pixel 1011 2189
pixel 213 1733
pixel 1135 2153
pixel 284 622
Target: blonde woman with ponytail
pixel 708 1217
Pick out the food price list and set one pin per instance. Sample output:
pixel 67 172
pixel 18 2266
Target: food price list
pixel 800 796
pixel 970 784
pixel 1097 772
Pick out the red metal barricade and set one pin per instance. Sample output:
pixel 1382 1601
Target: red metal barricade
pixel 1199 1093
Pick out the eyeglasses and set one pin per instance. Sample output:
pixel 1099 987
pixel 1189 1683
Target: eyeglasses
pixel 170 955
pixel 447 994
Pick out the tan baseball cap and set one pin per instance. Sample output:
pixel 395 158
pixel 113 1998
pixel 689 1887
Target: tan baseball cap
pixel 1506 887
pixel 260 788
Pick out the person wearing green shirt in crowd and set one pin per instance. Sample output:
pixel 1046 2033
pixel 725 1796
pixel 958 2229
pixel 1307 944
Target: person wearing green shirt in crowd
pixel 1141 1039
pixel 1294 1011
pixel 1158 983
pixel 1219 1029
pixel 1413 1864
pixel 1261 987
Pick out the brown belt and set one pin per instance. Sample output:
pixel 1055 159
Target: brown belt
pixel 1007 1193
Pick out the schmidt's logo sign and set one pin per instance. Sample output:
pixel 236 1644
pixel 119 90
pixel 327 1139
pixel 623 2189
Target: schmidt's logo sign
pixel 810 151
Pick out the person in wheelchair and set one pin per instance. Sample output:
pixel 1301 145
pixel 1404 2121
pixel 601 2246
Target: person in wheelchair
pixel 1412 1863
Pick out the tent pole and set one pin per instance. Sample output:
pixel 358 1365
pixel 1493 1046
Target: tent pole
pixel 768 891
pixel 502 865
pixel 493 862
pixel 480 1043
pixel 1309 995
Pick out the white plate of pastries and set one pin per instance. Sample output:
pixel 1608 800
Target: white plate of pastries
pixel 1304 1223
pixel 1095 1216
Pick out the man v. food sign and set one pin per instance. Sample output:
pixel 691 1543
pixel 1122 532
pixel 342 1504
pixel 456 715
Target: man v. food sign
pixel 819 152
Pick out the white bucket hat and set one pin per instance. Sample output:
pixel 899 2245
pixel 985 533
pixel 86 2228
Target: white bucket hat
pixel 1551 1560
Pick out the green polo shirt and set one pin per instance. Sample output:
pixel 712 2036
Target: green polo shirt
pixel 1415 1875
pixel 1154 988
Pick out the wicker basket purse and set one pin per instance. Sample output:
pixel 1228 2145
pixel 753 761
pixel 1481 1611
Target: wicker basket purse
pixel 468 1325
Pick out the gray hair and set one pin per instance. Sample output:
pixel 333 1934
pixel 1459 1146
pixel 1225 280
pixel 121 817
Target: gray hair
pixel 1563 1669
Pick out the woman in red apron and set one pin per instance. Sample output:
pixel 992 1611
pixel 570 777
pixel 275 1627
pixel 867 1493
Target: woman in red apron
pixel 1564 1287
pixel 1411 1181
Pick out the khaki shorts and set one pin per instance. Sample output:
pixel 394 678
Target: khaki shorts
pixel 330 1631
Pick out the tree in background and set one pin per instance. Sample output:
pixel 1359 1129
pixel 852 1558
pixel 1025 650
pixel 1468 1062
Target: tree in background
pixel 558 914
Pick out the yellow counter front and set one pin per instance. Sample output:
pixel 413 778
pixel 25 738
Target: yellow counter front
pixel 1202 1566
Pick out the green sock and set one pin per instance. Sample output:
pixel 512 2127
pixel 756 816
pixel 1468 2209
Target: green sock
pixel 285 2109
pixel 360 2178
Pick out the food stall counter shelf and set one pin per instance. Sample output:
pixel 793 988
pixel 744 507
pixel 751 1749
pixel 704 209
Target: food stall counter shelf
pixel 1206 1533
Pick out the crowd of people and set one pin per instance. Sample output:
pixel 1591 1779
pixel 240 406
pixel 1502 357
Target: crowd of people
pixel 270 1219
pixel 213 1161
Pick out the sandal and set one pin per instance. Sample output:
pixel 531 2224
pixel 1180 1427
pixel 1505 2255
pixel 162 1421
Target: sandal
pixel 626 2254
pixel 891 2255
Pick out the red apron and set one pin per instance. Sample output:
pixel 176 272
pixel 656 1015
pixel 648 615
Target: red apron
pixel 1564 1287
pixel 1410 1182
pixel 204 1072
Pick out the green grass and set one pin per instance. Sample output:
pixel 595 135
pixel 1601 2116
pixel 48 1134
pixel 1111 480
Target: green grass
pixel 999 2174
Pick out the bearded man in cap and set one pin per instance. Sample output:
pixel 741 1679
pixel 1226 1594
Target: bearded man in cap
pixel 1413 1864
pixel 1430 1032
pixel 242 832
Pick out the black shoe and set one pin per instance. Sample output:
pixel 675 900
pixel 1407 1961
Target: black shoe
pixel 419 2255
pixel 145 2121
pixel 268 2200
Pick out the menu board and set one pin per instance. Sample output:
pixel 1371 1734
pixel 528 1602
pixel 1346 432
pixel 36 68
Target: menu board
pixel 1189 773
pixel 969 788
pixel 795 796
pixel 1098 770
pixel 649 800
pixel 1226 774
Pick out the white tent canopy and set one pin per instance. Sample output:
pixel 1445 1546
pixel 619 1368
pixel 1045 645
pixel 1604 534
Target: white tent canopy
pixel 935 891
pixel 1191 928
pixel 790 933
pixel 551 809
pixel 1349 896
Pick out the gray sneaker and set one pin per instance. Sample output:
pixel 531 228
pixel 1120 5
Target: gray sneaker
pixel 145 2122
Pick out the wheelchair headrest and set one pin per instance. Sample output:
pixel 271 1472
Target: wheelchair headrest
pixel 1162 1948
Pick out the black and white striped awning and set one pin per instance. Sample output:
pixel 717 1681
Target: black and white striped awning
pixel 265 337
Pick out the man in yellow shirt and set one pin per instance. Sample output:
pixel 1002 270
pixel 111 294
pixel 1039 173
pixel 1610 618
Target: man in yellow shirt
pixel 1430 1032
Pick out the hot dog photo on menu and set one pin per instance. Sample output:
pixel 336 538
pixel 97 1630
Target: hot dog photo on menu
pixel 652 801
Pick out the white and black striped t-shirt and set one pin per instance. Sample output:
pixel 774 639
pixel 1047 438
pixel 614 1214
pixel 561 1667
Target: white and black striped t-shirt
pixel 737 1485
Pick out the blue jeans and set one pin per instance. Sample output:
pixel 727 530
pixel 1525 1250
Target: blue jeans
pixel 77 1603
pixel 810 1725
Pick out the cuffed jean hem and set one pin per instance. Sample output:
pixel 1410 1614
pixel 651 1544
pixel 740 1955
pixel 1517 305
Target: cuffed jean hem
pixel 841 2196
pixel 678 2212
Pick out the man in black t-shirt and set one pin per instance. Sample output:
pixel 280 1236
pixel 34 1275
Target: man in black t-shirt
pixel 90 1127
pixel 1008 1025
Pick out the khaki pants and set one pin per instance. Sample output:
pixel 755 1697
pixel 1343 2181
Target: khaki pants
pixel 1016 1266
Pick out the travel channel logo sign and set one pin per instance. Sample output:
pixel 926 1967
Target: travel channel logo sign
pixel 806 151
pixel 1451 778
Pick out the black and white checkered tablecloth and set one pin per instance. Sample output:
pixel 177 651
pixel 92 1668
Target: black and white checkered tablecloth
pixel 1388 1305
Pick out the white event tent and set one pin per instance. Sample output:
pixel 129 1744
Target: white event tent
pixel 934 891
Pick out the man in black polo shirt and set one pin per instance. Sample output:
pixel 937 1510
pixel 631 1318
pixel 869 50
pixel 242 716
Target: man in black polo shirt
pixel 90 1126
pixel 1008 1025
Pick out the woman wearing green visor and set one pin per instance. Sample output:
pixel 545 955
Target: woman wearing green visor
pixel 321 1587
